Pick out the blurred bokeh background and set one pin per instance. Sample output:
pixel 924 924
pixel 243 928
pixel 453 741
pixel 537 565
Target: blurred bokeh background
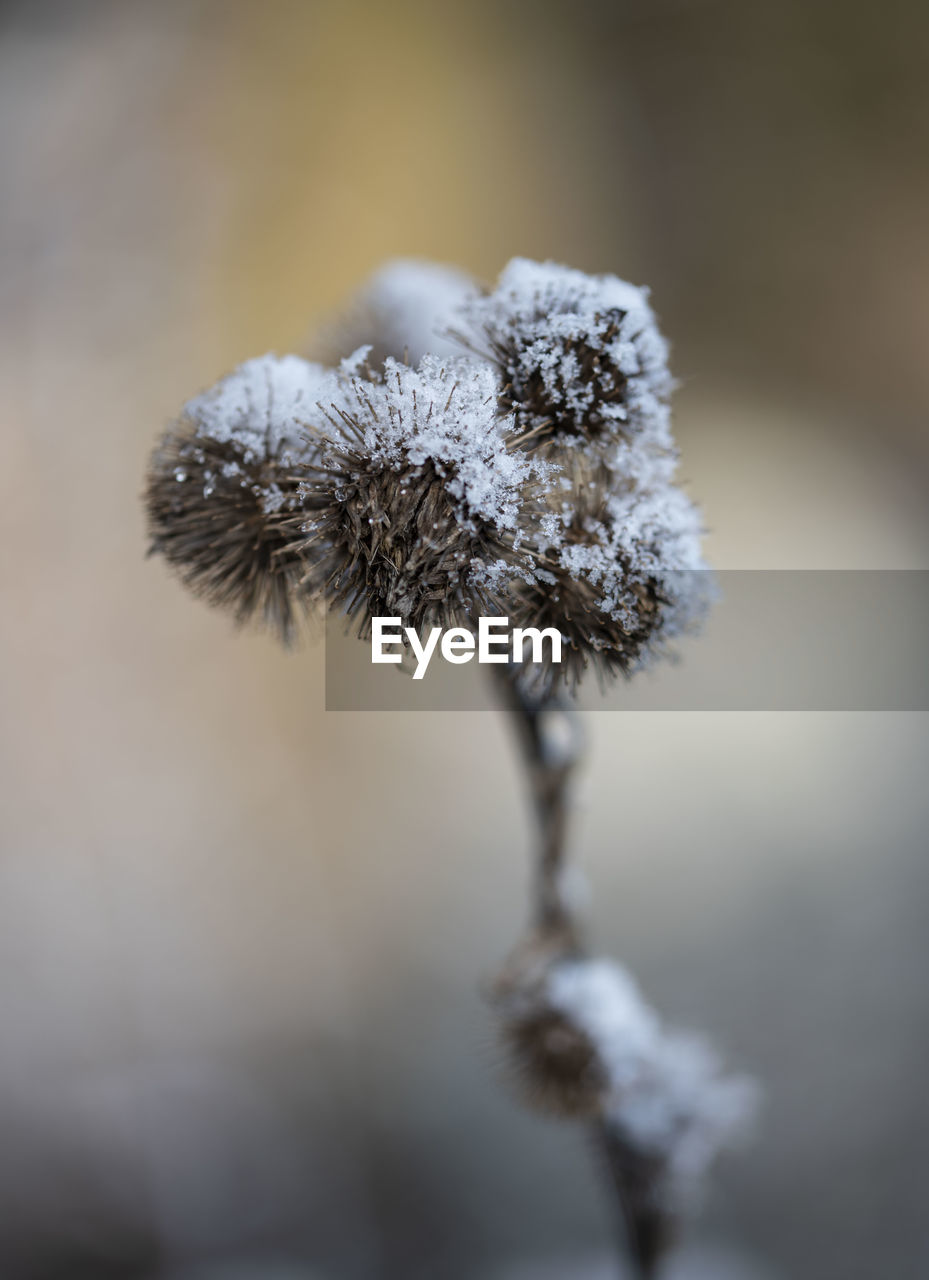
pixel 242 941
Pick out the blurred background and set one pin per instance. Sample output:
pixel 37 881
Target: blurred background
pixel 243 941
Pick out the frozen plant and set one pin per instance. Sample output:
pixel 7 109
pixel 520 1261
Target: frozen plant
pixel 584 1044
pixel 582 359
pixel 223 488
pixel 465 453
pixel 417 496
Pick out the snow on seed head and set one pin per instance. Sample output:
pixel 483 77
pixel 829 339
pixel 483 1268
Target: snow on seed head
pixel 581 356
pixel 221 489
pixel 620 574
pixel 418 499
pixel 584 1042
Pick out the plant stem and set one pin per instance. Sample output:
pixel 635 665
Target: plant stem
pixel 551 745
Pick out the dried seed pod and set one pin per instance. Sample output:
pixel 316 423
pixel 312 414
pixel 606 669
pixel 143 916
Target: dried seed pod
pixel 584 1043
pixel 417 508
pixel 221 491
pixel 554 1062
pixel 574 1028
pixel 437 494
pixel 580 356
pixel 622 575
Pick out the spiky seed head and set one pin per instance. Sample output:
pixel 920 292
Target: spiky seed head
pixel 402 311
pixel 417 508
pixel 536 480
pixel 581 357
pixel 221 491
pixel 554 1062
pixel 620 576
pixel 584 1042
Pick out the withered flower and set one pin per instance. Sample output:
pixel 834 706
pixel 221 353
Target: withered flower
pixel 580 356
pixel 585 374
pixel 533 478
pixel 617 580
pixel 417 508
pixel 583 1043
pixel 221 491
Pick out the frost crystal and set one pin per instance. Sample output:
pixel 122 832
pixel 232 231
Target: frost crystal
pixel 644 540
pixel 265 407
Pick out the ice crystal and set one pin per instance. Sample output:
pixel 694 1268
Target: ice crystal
pixel 265 408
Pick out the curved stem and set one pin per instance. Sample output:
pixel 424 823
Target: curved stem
pixel 551 744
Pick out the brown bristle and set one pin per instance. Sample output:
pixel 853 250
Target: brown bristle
pixel 206 504
pixel 544 413
pixel 390 542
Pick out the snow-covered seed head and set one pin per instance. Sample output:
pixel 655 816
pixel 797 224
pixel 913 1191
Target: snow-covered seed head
pixel 221 490
pixel 554 1062
pixel 621 575
pixel 402 311
pixel 417 508
pixel 584 1043
pixel 554 1009
pixel 534 478
pixel 581 356
pixel 566 597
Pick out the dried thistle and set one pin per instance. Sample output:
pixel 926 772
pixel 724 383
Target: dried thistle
pixel 609 604
pixel 584 1044
pixel 222 489
pixel 535 480
pixel 580 356
pixel 417 508
pixel 554 1062
pixel 584 372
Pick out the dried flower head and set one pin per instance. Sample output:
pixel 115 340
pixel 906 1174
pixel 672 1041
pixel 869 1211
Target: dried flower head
pixel 621 574
pixel 535 481
pixel 402 311
pixel 584 1043
pixel 221 489
pixel 418 509
pixel 555 1062
pixel 585 375
pixel 581 357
